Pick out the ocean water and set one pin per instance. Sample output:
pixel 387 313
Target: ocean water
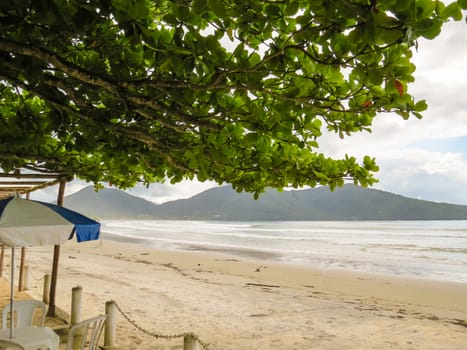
pixel 425 249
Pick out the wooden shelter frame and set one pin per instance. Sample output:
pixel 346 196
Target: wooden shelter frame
pixel 18 183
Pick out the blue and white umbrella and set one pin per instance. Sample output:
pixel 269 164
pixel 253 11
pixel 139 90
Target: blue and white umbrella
pixel 28 223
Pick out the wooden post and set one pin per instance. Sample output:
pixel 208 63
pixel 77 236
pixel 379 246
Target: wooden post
pixel 46 291
pixel 21 269
pixel 53 280
pixel 22 264
pixel 75 315
pixel 190 343
pixel 76 293
pixel 27 278
pixel 2 255
pixel 110 330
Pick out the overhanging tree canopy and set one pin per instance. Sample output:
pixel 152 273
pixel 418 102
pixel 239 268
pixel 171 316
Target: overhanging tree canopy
pixel 233 91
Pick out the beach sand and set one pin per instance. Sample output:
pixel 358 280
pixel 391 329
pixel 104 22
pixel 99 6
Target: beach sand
pixel 233 302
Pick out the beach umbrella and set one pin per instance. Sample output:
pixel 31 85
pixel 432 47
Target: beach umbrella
pixel 29 223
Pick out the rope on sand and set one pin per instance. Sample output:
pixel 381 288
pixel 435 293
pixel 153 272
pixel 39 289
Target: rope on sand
pixel 204 345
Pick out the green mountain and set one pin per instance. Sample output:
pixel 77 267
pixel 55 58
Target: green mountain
pixel 223 203
pixel 110 204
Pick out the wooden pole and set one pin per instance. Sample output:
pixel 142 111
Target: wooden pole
pixel 110 329
pixel 21 269
pixel 27 278
pixel 53 280
pixel 76 294
pixel 22 264
pixel 75 315
pixel 190 343
pixel 12 292
pixel 46 290
pixel 2 256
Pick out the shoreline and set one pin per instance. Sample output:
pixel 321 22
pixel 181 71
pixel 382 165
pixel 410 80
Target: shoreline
pixel 235 302
pixel 431 251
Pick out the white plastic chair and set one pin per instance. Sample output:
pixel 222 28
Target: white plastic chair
pixel 86 334
pixel 10 345
pixel 24 313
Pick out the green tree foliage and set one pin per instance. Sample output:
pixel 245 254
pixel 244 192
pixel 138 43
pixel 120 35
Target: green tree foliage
pixel 235 91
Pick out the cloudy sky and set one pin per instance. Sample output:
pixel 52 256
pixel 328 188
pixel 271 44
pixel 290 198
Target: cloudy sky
pixel 425 159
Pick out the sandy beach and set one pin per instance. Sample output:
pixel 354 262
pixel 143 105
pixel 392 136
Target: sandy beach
pixel 248 303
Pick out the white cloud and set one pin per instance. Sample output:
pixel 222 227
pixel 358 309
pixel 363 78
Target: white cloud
pixel 160 193
pixel 429 175
pixel 441 80
pixel 409 163
pixel 156 192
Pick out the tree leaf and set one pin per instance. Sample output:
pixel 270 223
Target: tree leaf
pixel 462 4
pixel 420 106
pixel 400 87
pixel 453 10
pixel 142 91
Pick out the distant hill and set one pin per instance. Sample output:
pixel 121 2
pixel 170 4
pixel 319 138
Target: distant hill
pixel 223 203
pixel 110 203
